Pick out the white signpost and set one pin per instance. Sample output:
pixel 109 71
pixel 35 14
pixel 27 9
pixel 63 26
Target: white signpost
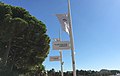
pixel 61 45
pixel 54 58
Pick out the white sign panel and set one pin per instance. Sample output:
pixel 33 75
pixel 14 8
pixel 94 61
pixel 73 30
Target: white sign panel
pixel 61 45
pixel 54 58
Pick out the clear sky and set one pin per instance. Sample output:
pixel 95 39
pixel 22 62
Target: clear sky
pixel 96 29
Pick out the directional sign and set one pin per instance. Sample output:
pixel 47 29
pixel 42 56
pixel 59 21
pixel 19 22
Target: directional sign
pixel 54 58
pixel 61 45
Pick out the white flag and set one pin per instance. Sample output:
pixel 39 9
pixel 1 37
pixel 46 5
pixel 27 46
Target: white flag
pixel 63 18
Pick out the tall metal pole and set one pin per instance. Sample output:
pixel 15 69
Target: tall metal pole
pixel 61 62
pixel 71 39
pixel 61 55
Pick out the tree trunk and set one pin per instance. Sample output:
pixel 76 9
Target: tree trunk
pixel 9 46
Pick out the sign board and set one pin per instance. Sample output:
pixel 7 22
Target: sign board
pixel 61 45
pixel 54 58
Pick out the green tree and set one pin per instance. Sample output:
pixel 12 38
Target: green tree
pixel 24 44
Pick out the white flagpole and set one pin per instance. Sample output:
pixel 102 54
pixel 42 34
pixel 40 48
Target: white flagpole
pixel 71 39
pixel 61 55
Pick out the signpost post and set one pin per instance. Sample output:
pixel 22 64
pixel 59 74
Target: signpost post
pixel 61 62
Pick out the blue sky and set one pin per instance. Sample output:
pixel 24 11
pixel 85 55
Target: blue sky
pixel 96 29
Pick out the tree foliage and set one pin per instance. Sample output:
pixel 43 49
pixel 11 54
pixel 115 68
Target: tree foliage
pixel 24 43
pixel 103 72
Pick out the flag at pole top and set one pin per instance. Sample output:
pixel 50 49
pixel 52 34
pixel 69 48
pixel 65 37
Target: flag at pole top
pixel 63 19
